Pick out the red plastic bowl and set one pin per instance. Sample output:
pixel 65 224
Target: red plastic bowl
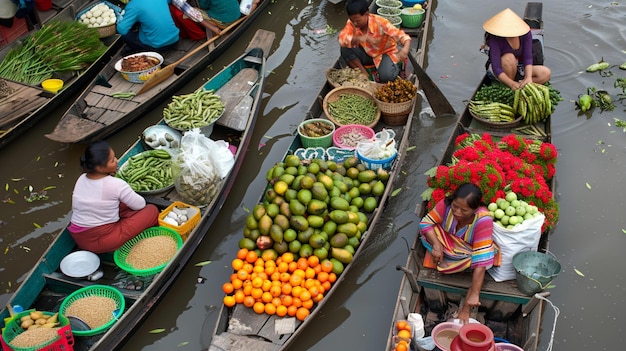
pixel 359 132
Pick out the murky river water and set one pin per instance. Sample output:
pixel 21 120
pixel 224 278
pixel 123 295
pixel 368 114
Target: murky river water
pixel 588 241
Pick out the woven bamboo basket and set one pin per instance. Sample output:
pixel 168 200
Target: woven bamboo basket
pixel 106 31
pixel 336 93
pixel 395 108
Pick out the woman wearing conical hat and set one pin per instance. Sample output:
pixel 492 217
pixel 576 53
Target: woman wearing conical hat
pixel 510 51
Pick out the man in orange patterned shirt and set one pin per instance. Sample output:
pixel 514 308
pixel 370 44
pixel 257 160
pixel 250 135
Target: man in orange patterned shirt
pixel 370 39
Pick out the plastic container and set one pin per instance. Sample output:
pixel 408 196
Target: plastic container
pixel 365 133
pixel 120 255
pixel 96 290
pixel 388 11
pixel 376 164
pixel 52 85
pixel 501 346
pixel 63 342
pixel 412 18
pixel 444 333
pixel 323 141
pixel 411 3
pixel 474 337
pixel 245 7
pixel 534 271
pixel 389 3
pixel 417 324
pixel 188 226
pixel 139 76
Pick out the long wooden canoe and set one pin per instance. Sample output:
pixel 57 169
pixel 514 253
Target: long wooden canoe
pixel 46 286
pixel 239 327
pixel 28 104
pixel 511 314
pixel 96 113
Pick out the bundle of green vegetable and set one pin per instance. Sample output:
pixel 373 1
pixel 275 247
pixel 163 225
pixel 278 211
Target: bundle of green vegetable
pixel 59 46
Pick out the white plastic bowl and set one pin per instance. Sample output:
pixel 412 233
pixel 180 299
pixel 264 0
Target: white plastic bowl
pixel 80 264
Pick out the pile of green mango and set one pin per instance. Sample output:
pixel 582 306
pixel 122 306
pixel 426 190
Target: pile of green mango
pixel 314 207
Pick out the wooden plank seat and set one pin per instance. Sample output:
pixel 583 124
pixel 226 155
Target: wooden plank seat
pixel 237 91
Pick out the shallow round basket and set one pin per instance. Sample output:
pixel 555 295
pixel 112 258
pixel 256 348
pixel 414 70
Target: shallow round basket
pixel 359 132
pixel 395 108
pixel 96 290
pixel 336 93
pixel 412 18
pixel 385 163
pixel 498 125
pixel 323 141
pixel 139 76
pixel 120 255
pixel 396 4
pixel 106 31
pixel 388 11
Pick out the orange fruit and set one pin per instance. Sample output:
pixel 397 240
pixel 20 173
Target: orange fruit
pixel 286 288
pixel 237 264
pixel 322 276
pixel 287 257
pixel 308 304
pixel 404 334
pixel 302 313
pixel 295 280
pixel 296 291
pixel 266 297
pixel 326 285
pixel 257 282
pixel 248 267
pixel 401 347
pixel 259 262
pixel 305 295
pixel 237 283
pixel 286 300
pixel 275 290
pixel 247 290
pixel 309 273
pixel 314 290
pixel 270 309
pixel 258 269
pixel 313 261
pixel 267 284
pixel 296 302
pixel 284 277
pixel 239 296
pixel 259 307
pixel 327 266
pixel 228 288
pixel 291 310
pixel 249 301
pixel 251 256
pixel 303 263
pixel 283 267
pixel 256 293
pixel 241 254
pixel 292 266
pixel 332 277
pixel 318 298
pixel 281 311
pixel 276 301
pixel 401 325
pixel 229 301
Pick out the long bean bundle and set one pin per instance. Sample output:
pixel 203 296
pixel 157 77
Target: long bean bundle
pixel 59 46
pixel 353 109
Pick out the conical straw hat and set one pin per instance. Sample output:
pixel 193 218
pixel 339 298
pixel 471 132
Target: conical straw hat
pixel 506 24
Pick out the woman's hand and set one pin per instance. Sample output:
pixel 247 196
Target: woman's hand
pixel 437 253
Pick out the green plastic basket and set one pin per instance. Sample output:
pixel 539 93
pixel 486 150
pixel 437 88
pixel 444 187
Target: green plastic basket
pixel 13 328
pixel 120 255
pixel 412 18
pixel 96 290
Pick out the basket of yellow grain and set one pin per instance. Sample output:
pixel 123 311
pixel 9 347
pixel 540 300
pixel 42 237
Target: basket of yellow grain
pixel 149 252
pixel 53 332
pixel 98 306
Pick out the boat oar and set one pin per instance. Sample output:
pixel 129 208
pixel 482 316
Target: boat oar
pixel 166 72
pixel 438 102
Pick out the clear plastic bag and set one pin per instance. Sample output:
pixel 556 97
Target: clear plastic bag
pixel 196 174
pixel 377 150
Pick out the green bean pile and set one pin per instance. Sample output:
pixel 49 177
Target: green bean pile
pixel 353 109
pixel 148 171
pixel 194 110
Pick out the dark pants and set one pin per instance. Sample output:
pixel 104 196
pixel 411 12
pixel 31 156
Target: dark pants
pixel 133 44
pixel 387 70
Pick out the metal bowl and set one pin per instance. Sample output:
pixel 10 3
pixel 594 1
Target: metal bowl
pixel 80 264
pixel 161 136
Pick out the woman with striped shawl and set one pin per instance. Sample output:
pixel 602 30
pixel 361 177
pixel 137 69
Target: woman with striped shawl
pixel 458 234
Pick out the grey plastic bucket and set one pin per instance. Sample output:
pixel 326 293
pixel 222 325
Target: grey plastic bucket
pixel 534 271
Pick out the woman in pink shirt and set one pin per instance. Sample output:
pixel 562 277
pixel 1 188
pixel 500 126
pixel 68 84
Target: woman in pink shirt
pixel 106 212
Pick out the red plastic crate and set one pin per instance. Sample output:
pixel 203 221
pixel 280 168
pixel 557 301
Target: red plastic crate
pixel 7 35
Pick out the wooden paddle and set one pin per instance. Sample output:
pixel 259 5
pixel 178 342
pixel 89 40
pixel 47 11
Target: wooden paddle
pixel 438 102
pixel 166 72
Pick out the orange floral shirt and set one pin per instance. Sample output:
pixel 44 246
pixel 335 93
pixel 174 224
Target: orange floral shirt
pixel 382 38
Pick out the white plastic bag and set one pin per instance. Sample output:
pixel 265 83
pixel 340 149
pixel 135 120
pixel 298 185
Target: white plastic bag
pixel 195 172
pixel 524 237
pixel 224 159
pixel 377 150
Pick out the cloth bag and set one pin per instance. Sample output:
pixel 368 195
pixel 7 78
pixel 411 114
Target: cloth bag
pixel 524 237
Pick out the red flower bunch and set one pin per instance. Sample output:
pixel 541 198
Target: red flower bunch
pixel 513 163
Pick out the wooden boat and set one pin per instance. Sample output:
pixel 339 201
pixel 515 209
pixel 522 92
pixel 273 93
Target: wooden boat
pixel 511 314
pixel 239 327
pixel 46 286
pixel 96 113
pixel 29 104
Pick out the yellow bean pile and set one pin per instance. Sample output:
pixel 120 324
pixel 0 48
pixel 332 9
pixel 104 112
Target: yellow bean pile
pixel 152 252
pixel 96 311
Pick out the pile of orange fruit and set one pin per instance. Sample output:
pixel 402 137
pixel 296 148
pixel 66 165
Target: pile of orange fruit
pixel 278 285
pixel 403 332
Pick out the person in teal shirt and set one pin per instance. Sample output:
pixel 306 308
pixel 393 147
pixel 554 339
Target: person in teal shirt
pixel 156 30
